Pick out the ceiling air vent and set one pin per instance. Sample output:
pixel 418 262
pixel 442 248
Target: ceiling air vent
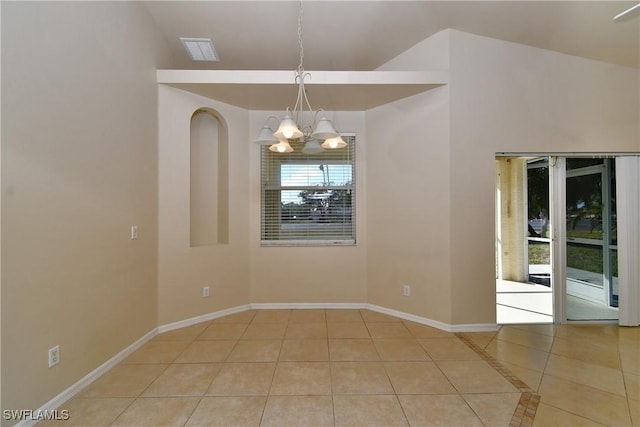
pixel 200 49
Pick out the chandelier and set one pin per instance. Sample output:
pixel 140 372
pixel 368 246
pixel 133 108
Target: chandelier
pixel 317 135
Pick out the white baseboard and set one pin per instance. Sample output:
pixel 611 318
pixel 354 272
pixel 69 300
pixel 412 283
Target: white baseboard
pixel 89 378
pixel 203 318
pixel 472 327
pixel 96 373
pixel 307 305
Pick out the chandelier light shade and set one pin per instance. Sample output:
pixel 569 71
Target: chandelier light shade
pixel 266 136
pixel 334 143
pixel 312 146
pixel 288 129
pixel 317 135
pixel 281 147
pixel 324 130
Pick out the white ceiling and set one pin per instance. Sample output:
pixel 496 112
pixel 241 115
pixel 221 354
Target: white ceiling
pixel 362 35
pixel 357 36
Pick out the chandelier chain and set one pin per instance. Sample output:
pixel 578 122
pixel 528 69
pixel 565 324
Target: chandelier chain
pixel 300 66
pixel 302 101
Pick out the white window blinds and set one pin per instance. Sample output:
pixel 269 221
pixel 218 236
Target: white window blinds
pixel 308 199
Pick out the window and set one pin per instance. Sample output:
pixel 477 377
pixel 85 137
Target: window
pixel 309 199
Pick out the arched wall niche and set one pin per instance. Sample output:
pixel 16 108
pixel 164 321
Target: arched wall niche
pixel 209 179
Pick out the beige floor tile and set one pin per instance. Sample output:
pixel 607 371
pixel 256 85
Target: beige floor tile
pixel 481 339
pixel 517 354
pixel 632 385
pixel 95 412
pixel 600 335
pixel 597 376
pixel 529 376
pixel 304 351
pixel 629 333
pixel 469 376
pixel 388 330
pixel 494 409
pixel 297 331
pixel 157 352
pixel 242 379
pixel 228 411
pixel 549 330
pixel 580 350
pixel 424 331
pixel 156 412
pixel 418 378
pixel 547 416
pixel 301 378
pixel 343 315
pixel 187 379
pixel 525 337
pixel 264 331
pixel 272 316
pixel 634 408
pixel 372 410
pixel 256 351
pixel 223 331
pixel 241 317
pixel 312 411
pixel 400 349
pixel 308 316
pixel 206 352
pixel 188 333
pixel 588 402
pixel 337 330
pixel 360 378
pixel 439 410
pixel 124 381
pixel 352 350
pixel 374 316
pixel 629 356
pixel 448 349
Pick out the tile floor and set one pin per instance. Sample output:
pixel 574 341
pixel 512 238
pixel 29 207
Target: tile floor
pixel 362 368
pixel 585 375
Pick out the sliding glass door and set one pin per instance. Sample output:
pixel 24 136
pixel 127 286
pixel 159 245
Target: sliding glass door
pixel 591 251
pixel 557 238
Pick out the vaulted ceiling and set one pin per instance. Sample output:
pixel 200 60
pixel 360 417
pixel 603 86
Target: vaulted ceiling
pixel 362 35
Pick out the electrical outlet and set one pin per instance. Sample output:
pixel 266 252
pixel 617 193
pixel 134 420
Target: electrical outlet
pixel 54 356
pixel 406 290
pixel 205 291
pixel 134 232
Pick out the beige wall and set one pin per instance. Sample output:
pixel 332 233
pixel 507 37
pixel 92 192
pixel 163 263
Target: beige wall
pixel 0 219
pixel 183 270
pixel 242 271
pixel 408 192
pixel 502 97
pixel 320 274
pixel 79 132
pixel 408 205
pixel 507 97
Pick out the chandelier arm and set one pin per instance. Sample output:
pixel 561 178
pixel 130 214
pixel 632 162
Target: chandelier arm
pixel 304 94
pixel 298 107
pixel 315 116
